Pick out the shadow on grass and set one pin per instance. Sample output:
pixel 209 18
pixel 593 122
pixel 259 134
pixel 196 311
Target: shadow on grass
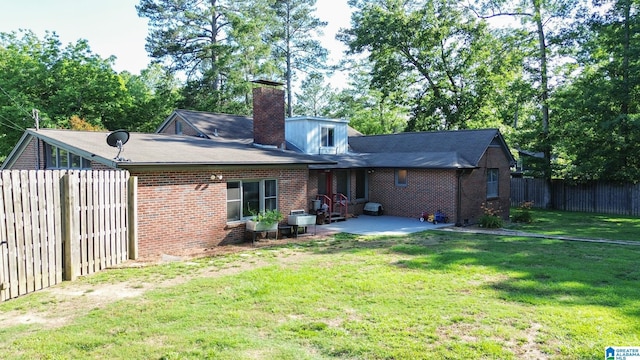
pixel 532 270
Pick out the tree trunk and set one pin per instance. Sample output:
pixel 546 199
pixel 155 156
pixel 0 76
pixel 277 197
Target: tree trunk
pixel 624 109
pixel 288 74
pixel 544 100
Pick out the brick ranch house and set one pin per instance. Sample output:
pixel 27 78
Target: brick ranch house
pixel 456 172
pixel 199 174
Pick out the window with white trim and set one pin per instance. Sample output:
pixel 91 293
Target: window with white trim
pixel 245 197
pixel 328 137
pixel 492 183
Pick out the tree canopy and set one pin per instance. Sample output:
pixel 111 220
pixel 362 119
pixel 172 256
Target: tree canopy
pixel 68 86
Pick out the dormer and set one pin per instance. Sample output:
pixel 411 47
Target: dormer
pixel 316 135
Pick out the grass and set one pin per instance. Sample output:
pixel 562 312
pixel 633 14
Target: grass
pixel 430 295
pixel 585 225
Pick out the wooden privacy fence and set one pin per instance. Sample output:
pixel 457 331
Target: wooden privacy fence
pixel 57 225
pixel 595 197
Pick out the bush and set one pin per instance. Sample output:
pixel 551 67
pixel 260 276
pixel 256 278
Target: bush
pixel 491 221
pixel 523 213
pixel 268 217
pixel 491 218
pixel 522 217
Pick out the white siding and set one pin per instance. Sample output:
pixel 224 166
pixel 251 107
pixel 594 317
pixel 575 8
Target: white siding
pixel 306 134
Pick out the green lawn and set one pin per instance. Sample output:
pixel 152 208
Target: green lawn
pixel 431 295
pixel 585 225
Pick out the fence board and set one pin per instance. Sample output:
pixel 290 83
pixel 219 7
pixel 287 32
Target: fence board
pixel 113 219
pixel 20 233
pixel 4 250
pixel 11 252
pixel 43 229
pixel 122 211
pixel 33 246
pixel 102 221
pixel 58 245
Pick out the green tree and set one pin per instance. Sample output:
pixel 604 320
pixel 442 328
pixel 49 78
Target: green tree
pixel 294 45
pixel 369 110
pixel 85 85
pixel 70 87
pixel 58 81
pixel 435 52
pixel 315 96
pixel 544 20
pixel 598 128
pixel 153 95
pixel 212 42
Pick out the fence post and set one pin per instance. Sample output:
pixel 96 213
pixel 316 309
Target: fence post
pixel 132 214
pixel 71 227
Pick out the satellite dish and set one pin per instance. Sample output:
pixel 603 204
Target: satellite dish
pixel 117 139
pixel 118 135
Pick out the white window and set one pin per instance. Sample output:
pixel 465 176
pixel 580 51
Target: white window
pixel 492 183
pixel 245 197
pixel 178 128
pixel 401 177
pixel 328 137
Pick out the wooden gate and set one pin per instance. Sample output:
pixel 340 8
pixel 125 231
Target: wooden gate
pixel 57 225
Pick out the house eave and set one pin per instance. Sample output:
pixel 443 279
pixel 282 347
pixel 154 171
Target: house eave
pixel 18 149
pixel 146 167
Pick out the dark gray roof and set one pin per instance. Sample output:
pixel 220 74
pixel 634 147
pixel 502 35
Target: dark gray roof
pixel 226 126
pixel 428 160
pixel 144 149
pixel 213 125
pixel 439 149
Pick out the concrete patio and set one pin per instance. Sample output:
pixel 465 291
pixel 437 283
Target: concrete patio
pixel 377 225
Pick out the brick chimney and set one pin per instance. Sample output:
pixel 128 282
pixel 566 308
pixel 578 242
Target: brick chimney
pixel 268 113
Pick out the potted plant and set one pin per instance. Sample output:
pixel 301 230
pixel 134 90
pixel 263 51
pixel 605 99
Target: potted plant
pixel 264 221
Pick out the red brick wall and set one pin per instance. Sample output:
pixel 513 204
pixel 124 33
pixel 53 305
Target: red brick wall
pixel 28 159
pixel 431 190
pixel 183 210
pixel 268 116
pixel 426 190
pixel 474 193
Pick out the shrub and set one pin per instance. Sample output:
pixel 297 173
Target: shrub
pixel 491 221
pixel 491 218
pixel 523 214
pixel 268 217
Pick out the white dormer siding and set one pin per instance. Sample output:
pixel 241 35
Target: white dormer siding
pixel 316 135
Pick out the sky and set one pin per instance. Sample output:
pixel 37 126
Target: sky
pixel 112 27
